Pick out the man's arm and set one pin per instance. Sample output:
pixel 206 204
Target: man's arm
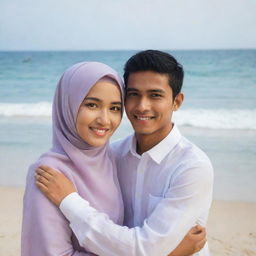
pixel 45 231
pixel 188 196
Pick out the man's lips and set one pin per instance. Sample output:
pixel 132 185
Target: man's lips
pixel 99 131
pixel 143 118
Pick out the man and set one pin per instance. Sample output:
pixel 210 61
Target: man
pixel 166 181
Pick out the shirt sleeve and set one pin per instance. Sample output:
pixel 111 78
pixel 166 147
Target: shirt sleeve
pixel 45 231
pixel 188 196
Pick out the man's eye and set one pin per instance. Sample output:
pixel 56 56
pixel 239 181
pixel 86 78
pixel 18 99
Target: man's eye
pixel 91 105
pixel 155 95
pixel 131 94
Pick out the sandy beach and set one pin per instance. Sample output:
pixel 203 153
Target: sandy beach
pixel 231 228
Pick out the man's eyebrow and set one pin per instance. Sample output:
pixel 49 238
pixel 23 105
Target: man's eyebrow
pixel 153 90
pixel 131 89
pixel 156 90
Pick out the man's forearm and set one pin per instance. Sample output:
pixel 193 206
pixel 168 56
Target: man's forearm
pixel 100 235
pixel 162 231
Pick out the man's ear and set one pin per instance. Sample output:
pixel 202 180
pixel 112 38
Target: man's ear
pixel 178 101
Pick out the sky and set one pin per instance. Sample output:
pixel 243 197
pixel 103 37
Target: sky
pixel 127 24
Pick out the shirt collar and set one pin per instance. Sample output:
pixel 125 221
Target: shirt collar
pixel 133 146
pixel 159 151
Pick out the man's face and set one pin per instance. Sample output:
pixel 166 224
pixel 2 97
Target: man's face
pixel 149 103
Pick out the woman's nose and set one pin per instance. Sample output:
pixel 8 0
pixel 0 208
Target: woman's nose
pixel 103 118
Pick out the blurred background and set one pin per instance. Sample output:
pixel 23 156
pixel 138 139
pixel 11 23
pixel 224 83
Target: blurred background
pixel 215 41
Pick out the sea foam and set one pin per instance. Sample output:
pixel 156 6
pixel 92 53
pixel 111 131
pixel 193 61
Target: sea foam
pixel 217 118
pixel 40 109
pixel 244 119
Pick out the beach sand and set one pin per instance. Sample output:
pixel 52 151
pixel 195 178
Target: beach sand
pixel 231 229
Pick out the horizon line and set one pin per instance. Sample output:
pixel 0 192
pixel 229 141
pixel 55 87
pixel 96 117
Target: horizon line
pixel 112 50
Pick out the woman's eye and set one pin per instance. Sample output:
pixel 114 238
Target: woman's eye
pixel 91 105
pixel 116 109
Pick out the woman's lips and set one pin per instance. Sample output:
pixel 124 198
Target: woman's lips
pixel 99 131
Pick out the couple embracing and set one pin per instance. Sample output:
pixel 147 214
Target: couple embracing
pixel 147 194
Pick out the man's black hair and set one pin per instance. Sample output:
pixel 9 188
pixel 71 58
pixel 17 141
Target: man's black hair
pixel 157 61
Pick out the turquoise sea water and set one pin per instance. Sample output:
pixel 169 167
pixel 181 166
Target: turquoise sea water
pixel 219 112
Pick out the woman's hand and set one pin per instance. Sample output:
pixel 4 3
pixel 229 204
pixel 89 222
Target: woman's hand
pixel 54 185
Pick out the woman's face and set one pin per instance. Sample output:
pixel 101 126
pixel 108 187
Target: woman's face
pixel 99 114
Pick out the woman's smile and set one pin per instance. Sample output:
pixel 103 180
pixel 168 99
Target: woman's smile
pixel 99 131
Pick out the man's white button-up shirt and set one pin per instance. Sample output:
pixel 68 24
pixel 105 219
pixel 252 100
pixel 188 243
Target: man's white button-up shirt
pixel 166 191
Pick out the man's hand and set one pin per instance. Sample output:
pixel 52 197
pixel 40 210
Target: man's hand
pixel 193 242
pixel 54 185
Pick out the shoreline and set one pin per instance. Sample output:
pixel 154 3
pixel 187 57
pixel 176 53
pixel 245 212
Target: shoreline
pixel 231 228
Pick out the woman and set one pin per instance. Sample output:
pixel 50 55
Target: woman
pixel 87 109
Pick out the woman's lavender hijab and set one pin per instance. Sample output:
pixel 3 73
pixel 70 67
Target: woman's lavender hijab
pixel 45 231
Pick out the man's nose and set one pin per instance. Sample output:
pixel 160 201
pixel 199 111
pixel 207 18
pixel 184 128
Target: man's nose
pixel 143 104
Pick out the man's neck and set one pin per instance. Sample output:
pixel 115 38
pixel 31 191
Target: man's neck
pixel 147 141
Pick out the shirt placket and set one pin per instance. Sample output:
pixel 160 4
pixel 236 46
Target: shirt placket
pixel 139 191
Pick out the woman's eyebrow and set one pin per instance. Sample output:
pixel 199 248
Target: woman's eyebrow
pixel 99 100
pixel 92 98
pixel 117 103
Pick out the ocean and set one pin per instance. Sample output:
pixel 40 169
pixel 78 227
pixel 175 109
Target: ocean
pixel 218 114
